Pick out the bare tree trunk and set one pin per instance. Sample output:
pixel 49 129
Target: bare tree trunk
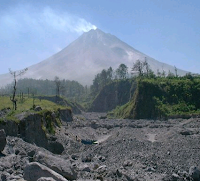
pixel 15 74
pixel 14 93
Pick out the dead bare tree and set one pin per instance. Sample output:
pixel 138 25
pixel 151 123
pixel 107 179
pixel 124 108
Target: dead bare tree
pixel 58 85
pixel 16 74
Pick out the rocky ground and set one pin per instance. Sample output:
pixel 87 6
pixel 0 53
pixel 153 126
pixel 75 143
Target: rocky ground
pixel 129 150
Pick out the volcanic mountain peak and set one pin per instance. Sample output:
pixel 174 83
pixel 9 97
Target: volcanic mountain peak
pixel 88 55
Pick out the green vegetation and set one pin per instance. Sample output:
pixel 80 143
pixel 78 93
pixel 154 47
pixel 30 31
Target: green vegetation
pixel 116 93
pixel 163 97
pixel 27 104
pixel 50 119
pixel 141 95
pixel 70 89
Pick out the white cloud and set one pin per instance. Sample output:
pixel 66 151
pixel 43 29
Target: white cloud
pixel 29 34
pixel 26 18
pixel 65 21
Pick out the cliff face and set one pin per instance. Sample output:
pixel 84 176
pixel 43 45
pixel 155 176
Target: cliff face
pixel 162 98
pixel 113 95
pixel 61 101
pixel 38 127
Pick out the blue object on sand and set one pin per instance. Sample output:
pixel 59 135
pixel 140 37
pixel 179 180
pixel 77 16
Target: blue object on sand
pixel 88 142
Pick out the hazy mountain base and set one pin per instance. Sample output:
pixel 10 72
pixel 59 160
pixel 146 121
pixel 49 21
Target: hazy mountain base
pixel 127 150
pixel 163 98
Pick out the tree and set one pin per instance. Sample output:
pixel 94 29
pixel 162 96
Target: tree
pixel 122 71
pixel 101 79
pixel 159 74
pixel 110 74
pixel 147 67
pixel 163 73
pixel 16 74
pixel 138 67
pixel 170 75
pixel 176 70
pixel 58 85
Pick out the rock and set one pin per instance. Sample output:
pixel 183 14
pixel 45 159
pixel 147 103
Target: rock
pixel 130 178
pixel 46 179
pixel 2 140
pixel 150 169
pixel 127 163
pixel 175 177
pixel 52 138
pixel 102 169
pixel 5 176
pixel 186 132
pixel 84 168
pixel 66 115
pixel 10 127
pixel 34 171
pixel 31 153
pixel 37 108
pixel 55 147
pixel 194 172
pixel 27 127
pixel 74 157
pixel 57 164
pixel 119 173
pixel 100 158
pixel 87 158
pixel 15 177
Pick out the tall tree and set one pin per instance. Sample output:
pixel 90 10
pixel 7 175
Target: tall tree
pixel 176 71
pixel 58 85
pixel 110 74
pixel 16 74
pixel 138 68
pixel 146 67
pixel 122 71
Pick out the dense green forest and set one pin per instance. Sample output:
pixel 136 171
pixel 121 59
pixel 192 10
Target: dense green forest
pixel 70 89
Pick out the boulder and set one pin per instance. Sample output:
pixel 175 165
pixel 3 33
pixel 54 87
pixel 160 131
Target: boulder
pixel 84 167
pixel 10 127
pixel 102 169
pixel 46 179
pixel 66 115
pixel 127 163
pixel 55 147
pixel 194 172
pixel 2 140
pixel 186 132
pixel 57 164
pixel 34 171
pixel 27 127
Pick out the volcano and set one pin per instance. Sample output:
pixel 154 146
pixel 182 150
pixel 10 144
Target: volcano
pixel 92 52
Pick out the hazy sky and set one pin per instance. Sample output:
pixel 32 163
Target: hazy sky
pixel 33 30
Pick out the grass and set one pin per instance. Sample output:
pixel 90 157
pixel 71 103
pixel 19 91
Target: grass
pixel 27 104
pixel 48 108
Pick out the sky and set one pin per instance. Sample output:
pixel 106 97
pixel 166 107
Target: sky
pixel 166 30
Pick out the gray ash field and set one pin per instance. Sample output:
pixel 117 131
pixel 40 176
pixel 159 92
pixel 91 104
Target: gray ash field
pixel 120 149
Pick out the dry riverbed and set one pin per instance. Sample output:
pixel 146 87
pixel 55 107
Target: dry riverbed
pixel 119 150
